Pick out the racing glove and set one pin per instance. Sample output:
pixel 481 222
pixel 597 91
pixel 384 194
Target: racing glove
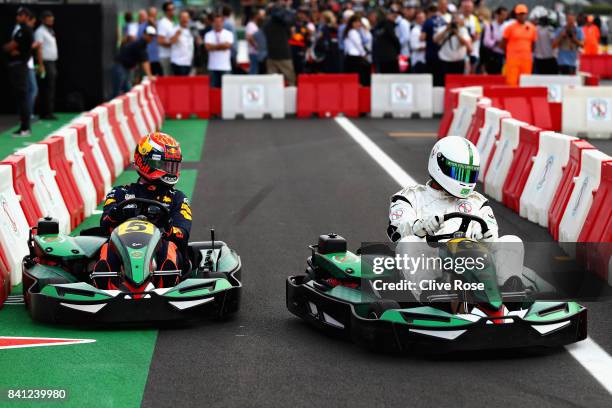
pixel 486 237
pixel 428 226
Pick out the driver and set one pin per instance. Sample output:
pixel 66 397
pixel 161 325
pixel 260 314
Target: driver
pixel 418 210
pixel 157 159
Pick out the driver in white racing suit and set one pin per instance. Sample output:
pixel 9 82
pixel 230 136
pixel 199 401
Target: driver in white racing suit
pixel 417 211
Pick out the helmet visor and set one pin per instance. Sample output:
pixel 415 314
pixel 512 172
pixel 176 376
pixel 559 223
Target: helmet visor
pixel 170 167
pixel 464 173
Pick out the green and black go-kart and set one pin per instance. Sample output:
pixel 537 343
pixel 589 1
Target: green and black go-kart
pixel 61 286
pixel 337 295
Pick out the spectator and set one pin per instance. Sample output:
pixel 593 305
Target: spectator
pixel 32 68
pixel 45 35
pixel 299 41
pixel 444 11
pixel 472 24
pixel 255 47
pixel 417 46
pixel 355 60
pixel 386 47
pixel 19 50
pixel 567 40
pixel 326 48
pixel 430 28
pixel 544 60
pixel 346 15
pixel 181 51
pixel 130 56
pixel 277 31
pixel 402 30
pixel 229 23
pixel 518 40
pixel 494 60
pixel 592 36
pixel 130 29
pixel 455 45
pixel 218 43
pixel 153 47
pixel 166 29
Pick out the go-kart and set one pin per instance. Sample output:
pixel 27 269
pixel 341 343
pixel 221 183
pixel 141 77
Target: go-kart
pixel 61 284
pixel 336 295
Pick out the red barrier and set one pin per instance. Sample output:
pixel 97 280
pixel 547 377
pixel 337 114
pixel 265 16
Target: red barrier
pixel 566 186
pixel 65 179
pixel 5 279
pixel 151 100
pixel 478 119
pixel 598 65
pixel 183 96
pixel 120 138
pixel 598 223
pixel 365 99
pixel 215 101
pixel 327 95
pixel 129 115
pixel 102 142
pixel 529 140
pixel 24 189
pixel 527 104
pixel 157 100
pixel 144 108
pixel 90 161
pixel 453 81
pixel 556 114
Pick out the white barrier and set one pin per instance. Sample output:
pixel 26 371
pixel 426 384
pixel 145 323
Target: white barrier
pixel 581 199
pixel 497 171
pixel 489 134
pixel 109 138
pixel 126 132
pixel 554 83
pixel 252 96
pixel 143 103
pixel 143 129
pixel 401 95
pixel 290 100
pixel 462 115
pixel 438 100
pixel 79 168
pixel 545 175
pixel 587 111
pixel 14 227
pixel 92 140
pixel 46 191
pixel 158 114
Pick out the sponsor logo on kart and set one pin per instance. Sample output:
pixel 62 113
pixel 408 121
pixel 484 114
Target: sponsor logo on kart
pixel 22 342
pixel 345 258
pixel 52 239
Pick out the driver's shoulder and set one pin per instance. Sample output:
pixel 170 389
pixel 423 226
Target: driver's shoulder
pixel 409 192
pixel 477 198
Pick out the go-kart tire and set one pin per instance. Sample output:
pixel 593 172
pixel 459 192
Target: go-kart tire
pixel 378 307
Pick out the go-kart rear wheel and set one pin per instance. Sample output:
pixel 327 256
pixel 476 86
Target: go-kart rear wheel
pixel 379 307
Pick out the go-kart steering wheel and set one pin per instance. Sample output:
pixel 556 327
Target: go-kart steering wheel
pixel 153 210
pixel 466 219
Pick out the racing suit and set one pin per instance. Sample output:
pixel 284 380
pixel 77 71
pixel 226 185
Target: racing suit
pixel 420 202
pixel 174 243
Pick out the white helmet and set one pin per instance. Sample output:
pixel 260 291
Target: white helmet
pixel 454 163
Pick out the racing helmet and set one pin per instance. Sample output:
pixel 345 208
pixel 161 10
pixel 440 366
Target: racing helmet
pixel 158 158
pixel 454 163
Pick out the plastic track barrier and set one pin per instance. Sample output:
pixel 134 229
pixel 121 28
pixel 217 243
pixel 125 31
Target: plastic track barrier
pixel 327 95
pixel 554 84
pixel 106 138
pixel 84 124
pixel 501 158
pixel 598 65
pixel 85 182
pixel 522 163
pixel 438 100
pixel 98 171
pixel 489 134
pixel 24 189
pixel 5 279
pixel 453 81
pixel 183 96
pixel 46 191
pixel 587 112
pixel 402 95
pixel 290 100
pixel 581 200
pixel 145 109
pixel 136 111
pixel 365 100
pixel 566 185
pixel 462 116
pixel 154 96
pixel 527 104
pixel 113 133
pixel 65 180
pixel 252 96
pixel 122 126
pixel 598 223
pixel 548 167
pixel 14 228
pixel 478 119
pixel 151 102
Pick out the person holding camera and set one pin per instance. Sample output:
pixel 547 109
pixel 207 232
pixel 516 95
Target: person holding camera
pixel 568 40
pixel 455 44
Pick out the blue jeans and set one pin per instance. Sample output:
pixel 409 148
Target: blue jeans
pixel 32 89
pixel 253 64
pixel 121 80
pixel 215 78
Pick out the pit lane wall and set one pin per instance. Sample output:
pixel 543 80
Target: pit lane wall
pixel 69 172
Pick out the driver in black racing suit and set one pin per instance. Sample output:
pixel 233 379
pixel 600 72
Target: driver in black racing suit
pixel 157 159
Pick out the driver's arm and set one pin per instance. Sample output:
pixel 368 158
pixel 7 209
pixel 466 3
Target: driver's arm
pixel 180 220
pixel 113 198
pixel 486 213
pixel 402 217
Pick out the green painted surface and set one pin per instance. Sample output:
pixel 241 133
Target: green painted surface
pixel 40 129
pixel 190 133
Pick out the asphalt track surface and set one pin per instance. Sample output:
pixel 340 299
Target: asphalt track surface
pixel 270 188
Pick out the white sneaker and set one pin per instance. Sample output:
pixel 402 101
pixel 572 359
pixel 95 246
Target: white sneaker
pixel 22 133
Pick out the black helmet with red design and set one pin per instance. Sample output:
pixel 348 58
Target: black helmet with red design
pixel 158 158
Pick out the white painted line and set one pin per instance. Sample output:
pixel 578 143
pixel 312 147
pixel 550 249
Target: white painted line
pixel 387 163
pixel 588 353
